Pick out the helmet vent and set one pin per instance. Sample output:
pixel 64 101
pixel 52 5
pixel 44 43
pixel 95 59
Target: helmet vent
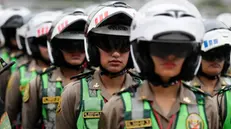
pixel 117 27
pixel 120 4
pixel 175 14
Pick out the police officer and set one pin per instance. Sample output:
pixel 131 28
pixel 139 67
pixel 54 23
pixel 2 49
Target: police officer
pixel 66 50
pixel 11 19
pixel 165 38
pixel 215 53
pixel 107 47
pixel 36 46
pixel 223 95
pixel 4 119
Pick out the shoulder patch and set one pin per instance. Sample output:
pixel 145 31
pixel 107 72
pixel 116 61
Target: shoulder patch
pixel 26 95
pixel 194 121
pixel 195 89
pixel 132 88
pixel 226 81
pixel 135 75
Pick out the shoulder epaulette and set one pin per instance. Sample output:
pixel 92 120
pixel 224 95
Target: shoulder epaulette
pixel 131 89
pixel 47 70
pixel 224 89
pixel 135 75
pixel 195 89
pixel 83 75
pixel 14 55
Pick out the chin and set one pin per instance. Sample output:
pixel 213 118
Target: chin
pixel 114 70
pixel 214 73
pixel 169 75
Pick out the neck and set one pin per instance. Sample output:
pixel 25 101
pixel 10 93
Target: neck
pixel 15 50
pixel 112 83
pixel 208 82
pixel 169 92
pixel 68 72
pixel 41 64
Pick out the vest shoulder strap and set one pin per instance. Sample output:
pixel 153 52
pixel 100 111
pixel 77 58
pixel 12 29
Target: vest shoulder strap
pixel 91 105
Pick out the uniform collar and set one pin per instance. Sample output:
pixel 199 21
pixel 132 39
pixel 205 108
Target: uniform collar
pixel 33 66
pixel 198 83
pixel 96 84
pixel 185 95
pixel 24 60
pixel 57 75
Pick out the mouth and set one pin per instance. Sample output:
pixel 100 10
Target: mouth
pixel 75 56
pixel 169 65
pixel 215 65
pixel 115 62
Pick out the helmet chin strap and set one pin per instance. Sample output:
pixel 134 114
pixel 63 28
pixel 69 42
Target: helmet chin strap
pixel 76 67
pixel 210 77
pixel 159 82
pixel 112 75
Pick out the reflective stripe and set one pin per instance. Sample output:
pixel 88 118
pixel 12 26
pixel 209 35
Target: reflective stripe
pixel 44 85
pixel 131 108
pixel 51 92
pixel 13 68
pixel 137 111
pixel 147 107
pixel 227 123
pixel 191 107
pixel 182 116
pixel 201 107
pixel 91 107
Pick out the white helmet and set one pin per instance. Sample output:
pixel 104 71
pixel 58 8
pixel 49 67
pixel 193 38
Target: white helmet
pixel 90 8
pixel 13 17
pixel 216 36
pixel 20 36
pixel 164 22
pixel 217 44
pixel 39 26
pixel 99 22
pixel 225 18
pixel 68 27
pixel 21 33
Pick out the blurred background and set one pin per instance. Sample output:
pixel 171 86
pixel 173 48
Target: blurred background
pixel 209 8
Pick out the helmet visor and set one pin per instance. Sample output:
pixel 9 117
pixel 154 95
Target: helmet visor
pixel 163 50
pixel 71 46
pixel 114 43
pixel 218 54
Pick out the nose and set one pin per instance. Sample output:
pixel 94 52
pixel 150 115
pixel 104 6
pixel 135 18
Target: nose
pixel 171 57
pixel 115 54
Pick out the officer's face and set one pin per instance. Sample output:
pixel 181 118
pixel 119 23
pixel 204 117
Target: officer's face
pixel 74 58
pixel 212 67
pixel 44 52
pixel 113 61
pixel 167 67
